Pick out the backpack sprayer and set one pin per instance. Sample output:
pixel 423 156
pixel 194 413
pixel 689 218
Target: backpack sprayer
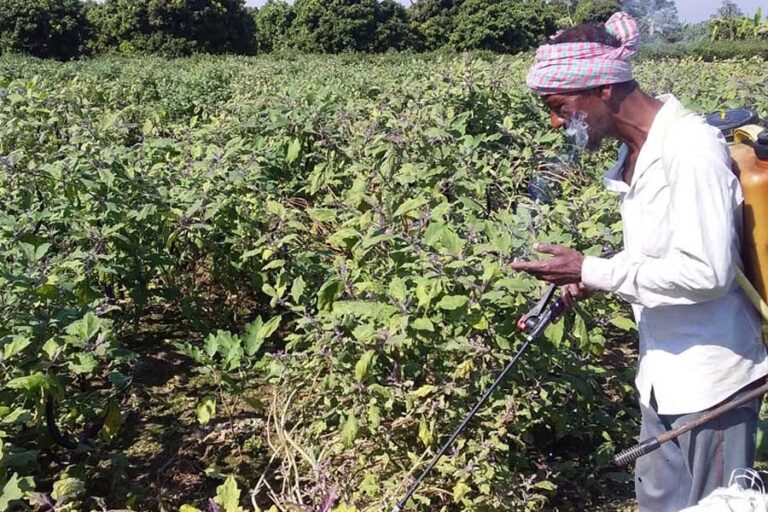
pixel 749 153
pixel 533 324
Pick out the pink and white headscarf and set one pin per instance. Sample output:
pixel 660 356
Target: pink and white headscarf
pixel 566 67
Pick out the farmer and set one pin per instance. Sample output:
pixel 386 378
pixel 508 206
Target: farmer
pixel 700 339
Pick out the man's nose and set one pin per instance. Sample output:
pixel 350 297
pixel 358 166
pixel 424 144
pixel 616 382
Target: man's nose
pixel 556 121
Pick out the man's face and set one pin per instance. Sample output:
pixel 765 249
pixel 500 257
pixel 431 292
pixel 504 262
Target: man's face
pixel 584 115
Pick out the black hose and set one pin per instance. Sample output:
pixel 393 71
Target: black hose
pixel 62 439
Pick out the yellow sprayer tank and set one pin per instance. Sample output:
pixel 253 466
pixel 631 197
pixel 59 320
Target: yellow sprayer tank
pixel 750 157
pixel 749 152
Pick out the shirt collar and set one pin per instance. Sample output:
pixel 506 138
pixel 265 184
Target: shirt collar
pixel 613 179
pixel 651 150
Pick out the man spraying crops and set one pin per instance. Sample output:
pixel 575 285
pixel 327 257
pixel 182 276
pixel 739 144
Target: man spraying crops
pixel 681 208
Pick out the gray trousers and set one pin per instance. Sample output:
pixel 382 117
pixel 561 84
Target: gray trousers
pixel 685 470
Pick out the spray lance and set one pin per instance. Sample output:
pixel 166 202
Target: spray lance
pixel 533 325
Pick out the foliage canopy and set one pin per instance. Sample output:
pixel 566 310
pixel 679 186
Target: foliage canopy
pixel 44 28
pixel 303 260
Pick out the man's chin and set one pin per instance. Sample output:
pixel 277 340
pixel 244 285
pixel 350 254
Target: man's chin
pixel 593 146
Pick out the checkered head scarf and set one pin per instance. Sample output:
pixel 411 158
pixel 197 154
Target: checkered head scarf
pixel 566 67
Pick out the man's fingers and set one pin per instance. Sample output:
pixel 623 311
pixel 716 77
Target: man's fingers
pixel 548 248
pixel 565 294
pixel 525 266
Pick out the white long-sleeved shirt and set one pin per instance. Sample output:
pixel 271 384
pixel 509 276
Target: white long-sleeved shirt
pixel 700 337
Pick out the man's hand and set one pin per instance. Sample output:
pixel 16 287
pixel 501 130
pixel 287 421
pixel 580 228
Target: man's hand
pixel 563 268
pixel 574 292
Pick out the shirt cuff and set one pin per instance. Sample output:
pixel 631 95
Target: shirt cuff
pixel 597 273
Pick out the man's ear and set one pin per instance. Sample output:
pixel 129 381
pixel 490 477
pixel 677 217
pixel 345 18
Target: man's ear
pixel 605 92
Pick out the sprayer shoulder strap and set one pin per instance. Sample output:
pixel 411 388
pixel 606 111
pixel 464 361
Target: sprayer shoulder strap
pixel 741 278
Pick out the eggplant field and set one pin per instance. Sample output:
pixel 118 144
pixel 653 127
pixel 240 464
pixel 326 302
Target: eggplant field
pixel 279 284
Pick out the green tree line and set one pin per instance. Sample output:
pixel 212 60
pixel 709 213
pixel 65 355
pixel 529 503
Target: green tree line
pixel 65 29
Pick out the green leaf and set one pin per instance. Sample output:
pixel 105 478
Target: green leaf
pixel 434 233
pixel 363 366
pixel 269 328
pixel 451 302
pixel 206 409
pixel 272 265
pixel 228 495
pixel 398 290
pixel 112 421
pixel 546 485
pixel 328 293
pixel 189 508
pixel 555 332
pixel 211 345
pixel 409 206
pixel 276 208
pixel 381 390
pixel 293 151
pixel 452 242
pixel 423 324
pixel 370 484
pixel 257 331
pixel 491 269
pixel 31 382
pixel 47 291
pixel 41 251
pixel 349 430
pixel 81 331
pixel 83 364
pixel 297 289
pixel 50 348
pixel 16 346
pixel 580 328
pixel 322 214
pixel 344 237
pixel 15 489
pixel 67 490
pixel 623 323
pixel 18 415
pixel 374 416
pixel 425 432
pixel 460 490
pixel 424 391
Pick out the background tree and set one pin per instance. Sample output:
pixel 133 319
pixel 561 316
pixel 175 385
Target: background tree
pixel 656 19
pixel 117 23
pixel 44 28
pixel 595 11
pixel 332 26
pixel 728 9
pixel 173 27
pixel 695 32
pixel 273 25
pixel 502 26
pixel 434 21
pixel 216 26
pixel 393 28
pixel 731 25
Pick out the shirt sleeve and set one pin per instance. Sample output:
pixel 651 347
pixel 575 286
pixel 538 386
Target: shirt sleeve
pixel 700 263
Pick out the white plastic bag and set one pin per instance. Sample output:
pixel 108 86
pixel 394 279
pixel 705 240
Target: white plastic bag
pixel 745 493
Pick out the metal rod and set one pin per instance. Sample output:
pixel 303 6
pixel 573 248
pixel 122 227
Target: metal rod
pixel 651 444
